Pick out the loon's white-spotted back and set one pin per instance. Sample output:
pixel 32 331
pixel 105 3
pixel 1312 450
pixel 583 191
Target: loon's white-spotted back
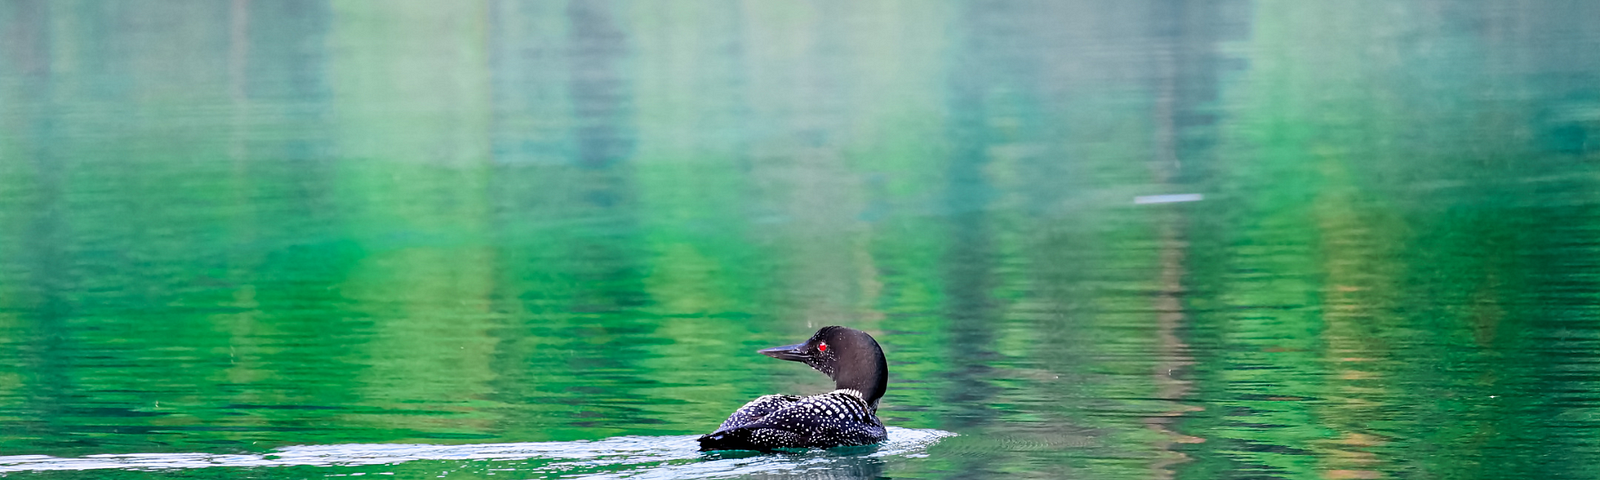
pixel 846 416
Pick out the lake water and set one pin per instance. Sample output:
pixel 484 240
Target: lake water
pixel 1149 239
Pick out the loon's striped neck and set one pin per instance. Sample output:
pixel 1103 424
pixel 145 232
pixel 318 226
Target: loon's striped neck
pixel 873 403
pixel 851 391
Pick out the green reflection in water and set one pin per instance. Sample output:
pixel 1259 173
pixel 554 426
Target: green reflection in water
pixel 239 226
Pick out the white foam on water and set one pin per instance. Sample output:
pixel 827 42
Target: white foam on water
pixel 621 457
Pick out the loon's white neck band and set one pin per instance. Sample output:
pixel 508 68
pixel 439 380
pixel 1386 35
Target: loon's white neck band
pixel 858 394
pixel 851 391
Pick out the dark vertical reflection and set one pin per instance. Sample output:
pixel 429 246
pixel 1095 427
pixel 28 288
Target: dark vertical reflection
pixel 1185 93
pixel 1186 84
pixel 1555 293
pixel 969 263
pixel 584 284
pixel 284 78
pixel 601 107
pixel 282 260
pixel 529 84
pixel 43 239
pixel 602 143
pixel 524 75
pixel 41 291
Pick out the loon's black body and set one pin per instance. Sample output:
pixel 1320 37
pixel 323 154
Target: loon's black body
pixel 846 416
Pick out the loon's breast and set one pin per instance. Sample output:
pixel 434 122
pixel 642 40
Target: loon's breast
pixel 833 419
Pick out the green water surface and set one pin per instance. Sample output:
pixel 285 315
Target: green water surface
pixel 247 227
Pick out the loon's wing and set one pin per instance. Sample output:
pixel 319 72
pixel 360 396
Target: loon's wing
pixel 822 421
pixel 756 410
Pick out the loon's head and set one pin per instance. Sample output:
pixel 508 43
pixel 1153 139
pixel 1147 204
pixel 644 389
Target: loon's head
pixel 849 356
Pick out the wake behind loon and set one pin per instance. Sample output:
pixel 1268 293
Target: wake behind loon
pixel 846 416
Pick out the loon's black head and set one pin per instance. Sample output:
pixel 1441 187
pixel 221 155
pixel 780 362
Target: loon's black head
pixel 849 356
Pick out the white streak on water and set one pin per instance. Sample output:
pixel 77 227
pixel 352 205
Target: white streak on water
pixel 1172 198
pixel 620 457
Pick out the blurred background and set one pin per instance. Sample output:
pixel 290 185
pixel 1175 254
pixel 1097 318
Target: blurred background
pixel 233 226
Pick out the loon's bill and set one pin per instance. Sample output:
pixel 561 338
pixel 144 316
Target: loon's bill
pixel 846 416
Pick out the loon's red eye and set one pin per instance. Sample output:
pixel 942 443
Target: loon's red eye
pixel 823 347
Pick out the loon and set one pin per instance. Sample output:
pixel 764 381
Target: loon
pixel 846 416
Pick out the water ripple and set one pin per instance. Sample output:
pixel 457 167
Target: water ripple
pixel 620 457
